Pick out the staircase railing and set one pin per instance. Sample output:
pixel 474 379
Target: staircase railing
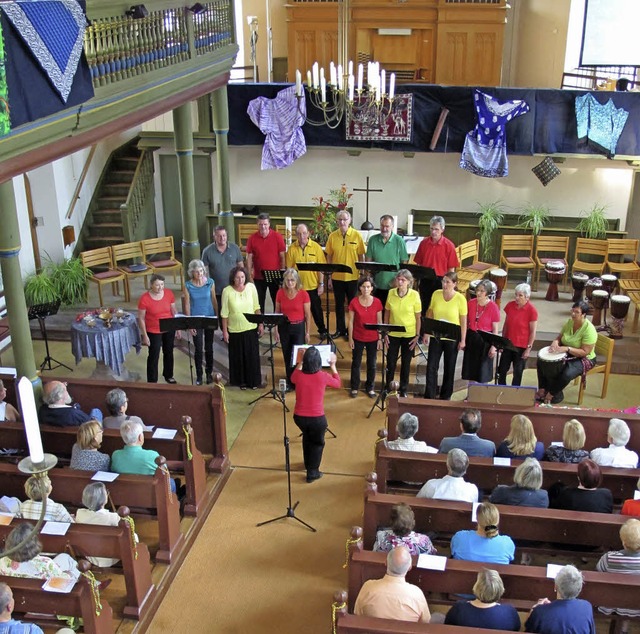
pixel 132 210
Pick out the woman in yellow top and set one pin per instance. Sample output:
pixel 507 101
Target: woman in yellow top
pixel 450 306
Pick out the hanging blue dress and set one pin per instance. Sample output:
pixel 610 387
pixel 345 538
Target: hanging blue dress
pixel 601 125
pixel 485 147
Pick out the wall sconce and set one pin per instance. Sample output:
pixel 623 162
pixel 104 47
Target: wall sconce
pixel 137 12
pixel 197 8
pixel 354 152
pixel 408 154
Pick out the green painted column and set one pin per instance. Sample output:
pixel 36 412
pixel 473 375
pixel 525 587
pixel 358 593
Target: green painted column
pixel 183 133
pixel 221 128
pixel 13 288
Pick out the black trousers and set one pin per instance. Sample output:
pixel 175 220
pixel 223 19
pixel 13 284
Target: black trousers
pixel 160 341
pixel 205 335
pixel 316 310
pixel 290 335
pixel 313 429
pixel 399 345
pixel 261 287
pixel 427 288
pixel 438 349
pixel 571 369
pixel 342 291
pixel 356 361
pixel 506 359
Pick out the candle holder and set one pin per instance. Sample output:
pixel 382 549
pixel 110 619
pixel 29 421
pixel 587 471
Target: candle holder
pixel 38 469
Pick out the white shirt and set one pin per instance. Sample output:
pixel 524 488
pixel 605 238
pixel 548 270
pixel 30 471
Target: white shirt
pixel 449 488
pixel 615 456
pixel 410 444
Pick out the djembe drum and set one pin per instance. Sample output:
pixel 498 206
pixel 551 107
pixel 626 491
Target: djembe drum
pixel 554 270
pixel 551 363
pixel 619 309
pixel 609 283
pixel 471 291
pixel 499 278
pixel 599 298
pixel 591 285
pixel 578 282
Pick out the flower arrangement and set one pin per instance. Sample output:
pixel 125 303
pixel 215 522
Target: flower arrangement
pixel 325 210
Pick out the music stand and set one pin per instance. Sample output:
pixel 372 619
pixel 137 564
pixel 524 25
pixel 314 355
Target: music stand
pixel 500 344
pixel 41 312
pixel 269 321
pixel 376 267
pixel 383 330
pixel 327 269
pixel 441 329
pixel 186 322
pixel 273 276
pixel 421 272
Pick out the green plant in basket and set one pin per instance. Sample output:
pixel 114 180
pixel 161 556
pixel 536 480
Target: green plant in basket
pixel 325 210
pixel 593 223
pixel 534 218
pixel 65 282
pixel 490 217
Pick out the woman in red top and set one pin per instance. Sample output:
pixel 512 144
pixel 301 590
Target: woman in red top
pixel 308 414
pixel 364 309
pixel 295 304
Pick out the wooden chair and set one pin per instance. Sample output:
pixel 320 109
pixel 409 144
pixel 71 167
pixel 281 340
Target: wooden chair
pixel 244 233
pixel 102 259
pixel 593 249
pixel 522 249
pixel 154 247
pixel 620 248
pixel 604 359
pixel 558 245
pixel 474 270
pixel 129 259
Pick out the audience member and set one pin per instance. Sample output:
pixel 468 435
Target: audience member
pixel 485 611
pixel 616 454
pixel 571 448
pixel 84 453
pixel 521 441
pixel 7 411
pixel 392 597
pixel 57 408
pixel 401 533
pixel 407 428
pixel 526 489
pixel 468 440
pixel 453 485
pixel 8 625
pixel 37 489
pixel 587 496
pixel 117 406
pixel 220 257
pixel 567 613
pixel 485 543
pixel 632 507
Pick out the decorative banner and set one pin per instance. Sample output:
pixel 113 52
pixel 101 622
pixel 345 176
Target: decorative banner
pixel 368 121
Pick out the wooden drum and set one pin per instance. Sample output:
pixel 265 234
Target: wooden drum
pixel 591 285
pixel 554 271
pixel 619 309
pixel 551 363
pixel 609 282
pixel 499 278
pixel 578 282
pixel 599 298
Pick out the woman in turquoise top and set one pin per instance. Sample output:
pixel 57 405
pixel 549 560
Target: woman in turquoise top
pixel 200 301
pixel 577 339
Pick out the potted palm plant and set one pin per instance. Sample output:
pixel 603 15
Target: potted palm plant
pixel 490 217
pixel 593 222
pixel 533 218
pixel 65 282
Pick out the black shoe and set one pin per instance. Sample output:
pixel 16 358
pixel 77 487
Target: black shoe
pixel 353 393
pixel 402 394
pixel 340 333
pixel 209 378
pixel 557 398
pixel 323 334
pixel 312 477
pixel 199 381
pixel 170 380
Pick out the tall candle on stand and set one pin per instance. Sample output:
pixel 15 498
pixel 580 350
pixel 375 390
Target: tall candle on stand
pixel 287 230
pixel 410 225
pixel 395 224
pixel 30 416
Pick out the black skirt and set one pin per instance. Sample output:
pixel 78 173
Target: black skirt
pixel 244 359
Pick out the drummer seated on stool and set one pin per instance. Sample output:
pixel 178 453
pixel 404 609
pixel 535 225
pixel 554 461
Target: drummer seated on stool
pixel 576 341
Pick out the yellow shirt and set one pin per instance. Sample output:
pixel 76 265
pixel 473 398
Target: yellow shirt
pixel 235 304
pixel 345 250
pixel 311 253
pixel 403 310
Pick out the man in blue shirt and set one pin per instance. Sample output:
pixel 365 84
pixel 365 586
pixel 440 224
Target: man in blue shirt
pixel 7 624
pixel 468 440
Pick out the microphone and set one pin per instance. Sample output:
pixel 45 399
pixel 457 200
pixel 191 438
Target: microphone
pixel 282 385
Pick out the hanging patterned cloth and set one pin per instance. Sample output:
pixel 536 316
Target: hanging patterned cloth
pixel 601 125
pixel 485 147
pixel 5 123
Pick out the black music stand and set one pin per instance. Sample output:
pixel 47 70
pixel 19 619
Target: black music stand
pixel 186 322
pixel 41 312
pixel 376 267
pixel 421 272
pixel 328 270
pixel 441 329
pixel 273 276
pixel 269 321
pixel 500 344
pixel 383 330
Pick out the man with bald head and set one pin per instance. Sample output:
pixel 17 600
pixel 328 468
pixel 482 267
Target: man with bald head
pixel 58 408
pixel 392 597
pixel 7 623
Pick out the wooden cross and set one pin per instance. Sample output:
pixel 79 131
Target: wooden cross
pixel 367 190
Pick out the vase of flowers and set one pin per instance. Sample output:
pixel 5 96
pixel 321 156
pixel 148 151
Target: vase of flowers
pixel 325 210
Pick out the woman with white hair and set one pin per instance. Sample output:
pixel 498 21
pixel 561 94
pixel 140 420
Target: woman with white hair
pixel 567 613
pixel 407 428
pixel 616 454
pixel 525 491
pixel 519 328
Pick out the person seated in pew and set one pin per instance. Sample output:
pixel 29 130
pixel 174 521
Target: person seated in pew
pixel 58 408
pixel 616 454
pixel 7 411
pixel 485 543
pixel 401 533
pixel 453 486
pixel 587 496
pixel 571 449
pixel 37 488
pixel 485 611
pixel 117 405
pixel 625 561
pixel 632 507
pixel 525 491
pixel 407 428
pixel 567 613
pixel 392 597
pixel 7 623
pixel 84 453
pixel 521 441
pixel 468 440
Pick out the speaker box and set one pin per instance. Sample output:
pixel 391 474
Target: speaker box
pixel 523 396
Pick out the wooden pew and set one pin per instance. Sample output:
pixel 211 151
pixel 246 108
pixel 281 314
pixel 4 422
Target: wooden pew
pixel 575 528
pixel 114 542
pixel 523 584
pixel 134 491
pixel 160 406
pixel 180 452
pixel 81 602
pixel 413 466
pixel 442 418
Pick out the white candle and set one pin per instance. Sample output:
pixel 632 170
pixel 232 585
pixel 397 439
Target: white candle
pixel 298 83
pixel 383 82
pixel 333 80
pixel 287 225
pixel 323 89
pixel 350 82
pixel 30 417
pixel 309 84
pixel 360 77
pixel 314 70
pixel 395 224
pixel 350 67
pixel 392 85
pixel 340 77
pixel 410 224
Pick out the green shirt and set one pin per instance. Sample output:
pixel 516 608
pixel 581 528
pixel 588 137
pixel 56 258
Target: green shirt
pixel 585 334
pixel 393 251
pixel 135 460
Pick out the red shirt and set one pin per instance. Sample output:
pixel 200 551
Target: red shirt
pixel 293 309
pixel 310 391
pixel 516 325
pixel 631 507
pixel 365 315
pixel 439 256
pixel 156 310
pixel 482 317
pixel 266 252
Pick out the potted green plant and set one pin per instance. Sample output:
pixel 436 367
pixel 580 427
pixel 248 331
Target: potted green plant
pixel 490 217
pixel 65 282
pixel 39 289
pixel 325 210
pixel 593 222
pixel 533 218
